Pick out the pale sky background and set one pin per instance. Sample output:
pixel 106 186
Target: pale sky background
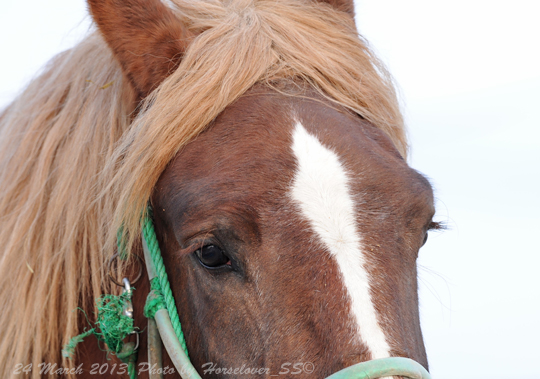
pixel 469 74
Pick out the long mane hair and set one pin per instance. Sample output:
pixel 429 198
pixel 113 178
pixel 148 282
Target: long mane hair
pixel 78 159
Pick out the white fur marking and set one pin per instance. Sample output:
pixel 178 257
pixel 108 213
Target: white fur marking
pixel 321 189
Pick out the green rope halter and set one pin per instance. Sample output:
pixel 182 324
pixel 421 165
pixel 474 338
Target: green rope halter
pixel 161 295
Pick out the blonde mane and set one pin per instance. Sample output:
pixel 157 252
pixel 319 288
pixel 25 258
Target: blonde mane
pixel 74 165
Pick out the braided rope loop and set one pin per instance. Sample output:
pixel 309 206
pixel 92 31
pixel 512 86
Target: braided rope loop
pixel 163 281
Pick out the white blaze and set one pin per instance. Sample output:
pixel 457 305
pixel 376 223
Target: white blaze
pixel 321 189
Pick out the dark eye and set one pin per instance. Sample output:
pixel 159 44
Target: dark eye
pixel 212 256
pixel 425 239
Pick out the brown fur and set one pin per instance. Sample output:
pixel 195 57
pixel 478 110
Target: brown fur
pixel 74 165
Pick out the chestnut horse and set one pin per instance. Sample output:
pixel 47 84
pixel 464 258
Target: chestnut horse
pixel 268 139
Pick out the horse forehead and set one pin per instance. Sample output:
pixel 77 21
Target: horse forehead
pixel 249 150
pixel 259 129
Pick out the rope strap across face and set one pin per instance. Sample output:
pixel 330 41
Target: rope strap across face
pixel 385 367
pixel 160 283
pixel 161 309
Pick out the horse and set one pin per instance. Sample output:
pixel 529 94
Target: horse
pixel 267 138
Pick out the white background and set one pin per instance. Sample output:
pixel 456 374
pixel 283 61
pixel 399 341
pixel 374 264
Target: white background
pixel 469 73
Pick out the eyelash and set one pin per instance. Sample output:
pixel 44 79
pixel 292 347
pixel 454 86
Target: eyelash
pixel 435 225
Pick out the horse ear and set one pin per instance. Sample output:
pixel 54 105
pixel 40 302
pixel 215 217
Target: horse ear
pixel 145 36
pixel 342 5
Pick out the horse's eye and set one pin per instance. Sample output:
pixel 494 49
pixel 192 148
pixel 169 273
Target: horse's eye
pixel 212 256
pixel 425 239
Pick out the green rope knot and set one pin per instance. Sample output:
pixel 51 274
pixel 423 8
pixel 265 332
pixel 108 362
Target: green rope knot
pixel 154 301
pixel 112 325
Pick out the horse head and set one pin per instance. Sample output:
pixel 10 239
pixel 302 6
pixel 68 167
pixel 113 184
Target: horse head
pixel 291 225
pixel 291 230
pixel 268 140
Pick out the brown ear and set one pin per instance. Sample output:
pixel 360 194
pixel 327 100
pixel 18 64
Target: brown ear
pixel 342 5
pixel 146 37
